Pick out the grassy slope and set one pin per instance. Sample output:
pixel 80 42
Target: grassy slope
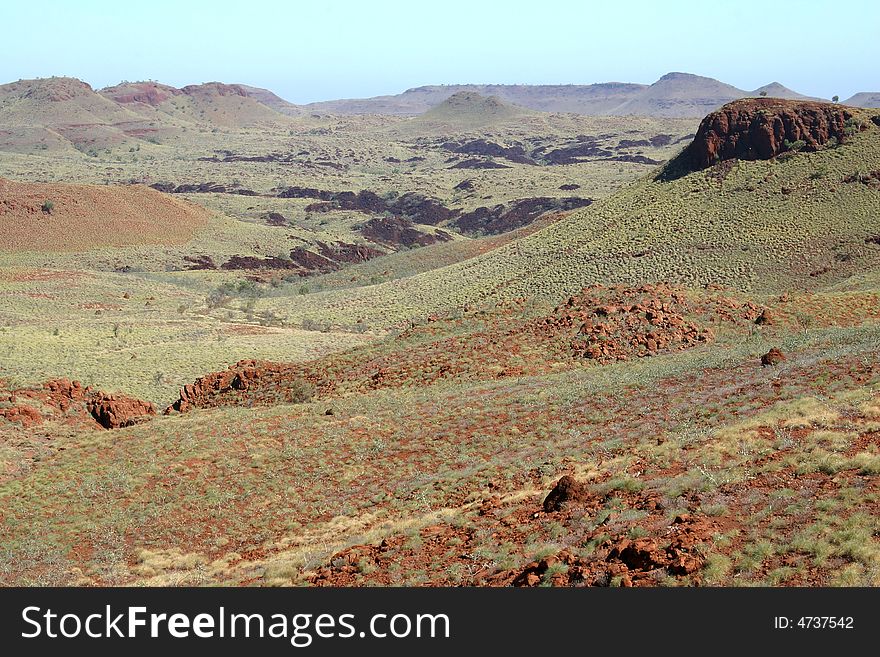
pixel 764 226
pixel 164 335
pixel 145 334
pixel 785 460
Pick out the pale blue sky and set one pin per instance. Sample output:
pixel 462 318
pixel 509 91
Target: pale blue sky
pixel 322 50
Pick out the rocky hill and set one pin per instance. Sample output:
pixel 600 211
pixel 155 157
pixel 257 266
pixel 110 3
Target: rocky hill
pixel 468 109
pixel 227 105
pixel 762 128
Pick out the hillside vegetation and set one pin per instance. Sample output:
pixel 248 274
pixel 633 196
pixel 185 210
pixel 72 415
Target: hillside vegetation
pixel 676 385
pixel 795 222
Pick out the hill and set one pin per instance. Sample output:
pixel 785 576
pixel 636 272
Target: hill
pixel 864 99
pixel 673 95
pixel 271 100
pixel 679 94
pixel 59 113
pixel 468 110
pixel 215 103
pixel 575 98
pixel 138 95
pixel 57 101
pixel 729 224
pixel 776 90
pixel 58 217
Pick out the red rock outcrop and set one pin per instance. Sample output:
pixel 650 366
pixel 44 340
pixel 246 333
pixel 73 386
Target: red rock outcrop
pixel 68 401
pixel 631 562
pixel 214 389
pixel 762 128
pixel 26 416
pixel 117 411
pixel 637 322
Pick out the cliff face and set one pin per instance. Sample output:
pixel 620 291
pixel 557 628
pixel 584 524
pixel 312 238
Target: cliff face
pixel 758 129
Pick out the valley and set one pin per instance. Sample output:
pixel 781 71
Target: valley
pixel 478 335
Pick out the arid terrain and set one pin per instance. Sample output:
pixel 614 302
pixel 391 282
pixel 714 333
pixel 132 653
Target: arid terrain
pixel 480 335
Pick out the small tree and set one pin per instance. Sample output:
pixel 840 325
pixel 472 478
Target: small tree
pixel 47 207
pixel 763 93
pixel 835 99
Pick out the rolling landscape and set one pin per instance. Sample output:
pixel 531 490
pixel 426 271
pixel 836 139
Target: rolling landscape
pixel 611 334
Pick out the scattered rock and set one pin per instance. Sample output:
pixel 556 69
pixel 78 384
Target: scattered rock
pixel 566 490
pixel 504 218
pixel 764 319
pixel 574 152
pixel 276 219
pixel 200 262
pixel 395 231
pixel 252 262
pixel 637 322
pixel 772 357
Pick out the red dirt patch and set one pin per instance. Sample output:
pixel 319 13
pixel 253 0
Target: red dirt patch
pixel 84 217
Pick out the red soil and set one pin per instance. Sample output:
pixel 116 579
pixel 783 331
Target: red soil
pixel 82 217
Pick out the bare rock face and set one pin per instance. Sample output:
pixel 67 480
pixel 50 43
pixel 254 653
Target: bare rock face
pixel 240 379
pixel 762 128
pixel 63 400
pixel 117 411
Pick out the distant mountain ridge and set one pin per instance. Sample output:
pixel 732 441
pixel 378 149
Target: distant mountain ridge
pixel 60 112
pixel 864 99
pixel 675 94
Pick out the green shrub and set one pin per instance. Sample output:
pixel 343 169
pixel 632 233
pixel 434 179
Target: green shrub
pixel 851 126
pixel 301 391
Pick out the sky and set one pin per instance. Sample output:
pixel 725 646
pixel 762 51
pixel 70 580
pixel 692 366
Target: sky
pixel 326 49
